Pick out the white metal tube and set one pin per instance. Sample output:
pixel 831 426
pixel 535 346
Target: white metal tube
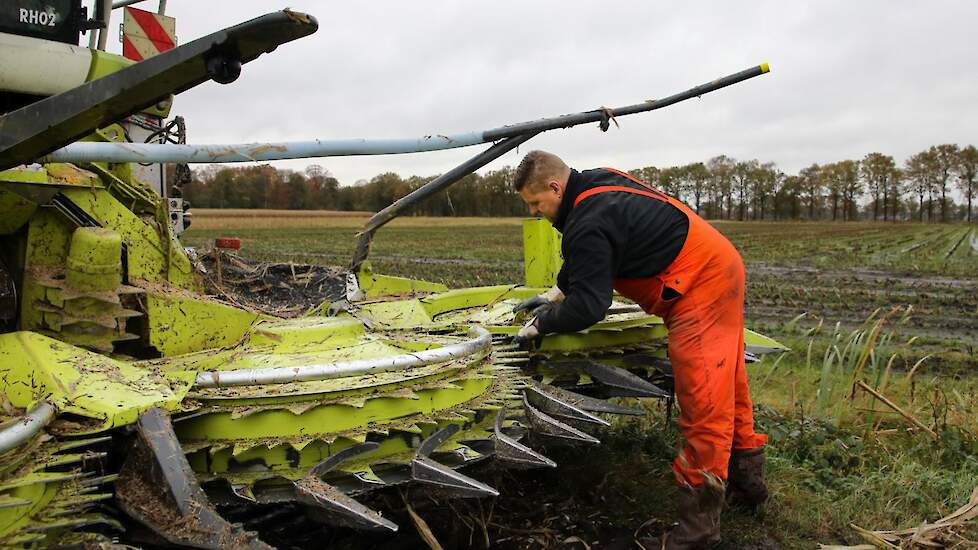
pixel 253 152
pixel 481 341
pixel 21 430
pixel 103 34
pixel 20 56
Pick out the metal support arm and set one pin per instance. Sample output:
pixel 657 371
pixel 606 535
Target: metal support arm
pixel 440 183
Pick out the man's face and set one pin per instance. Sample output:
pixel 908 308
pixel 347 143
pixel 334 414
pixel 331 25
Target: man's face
pixel 543 200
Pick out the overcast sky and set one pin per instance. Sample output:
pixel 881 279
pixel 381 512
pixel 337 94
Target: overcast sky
pixel 847 78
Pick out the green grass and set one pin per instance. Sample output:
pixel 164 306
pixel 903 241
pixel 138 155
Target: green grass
pixel 826 471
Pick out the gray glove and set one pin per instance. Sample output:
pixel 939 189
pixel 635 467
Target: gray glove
pixel 527 334
pixel 550 297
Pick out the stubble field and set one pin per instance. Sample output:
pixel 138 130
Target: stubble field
pixel 840 272
pixel 893 305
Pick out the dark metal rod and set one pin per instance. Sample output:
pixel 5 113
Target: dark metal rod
pixel 575 119
pixel 438 184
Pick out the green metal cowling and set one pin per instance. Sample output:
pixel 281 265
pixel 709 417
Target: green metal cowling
pixel 94 262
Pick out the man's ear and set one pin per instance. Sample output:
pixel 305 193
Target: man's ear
pixel 554 186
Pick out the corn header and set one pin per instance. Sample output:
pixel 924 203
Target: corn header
pixel 137 406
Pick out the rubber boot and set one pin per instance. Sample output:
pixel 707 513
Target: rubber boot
pixel 745 479
pixel 699 519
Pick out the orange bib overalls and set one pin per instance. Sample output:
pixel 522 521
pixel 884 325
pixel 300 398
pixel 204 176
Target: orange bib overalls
pixel 704 312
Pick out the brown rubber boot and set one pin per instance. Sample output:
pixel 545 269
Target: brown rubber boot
pixel 745 479
pixel 699 519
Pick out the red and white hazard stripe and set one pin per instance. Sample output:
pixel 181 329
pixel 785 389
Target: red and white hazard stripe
pixel 145 34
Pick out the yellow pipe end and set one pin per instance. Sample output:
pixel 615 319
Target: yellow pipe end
pixel 765 68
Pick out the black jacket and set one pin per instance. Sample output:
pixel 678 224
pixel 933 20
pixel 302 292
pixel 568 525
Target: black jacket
pixel 608 235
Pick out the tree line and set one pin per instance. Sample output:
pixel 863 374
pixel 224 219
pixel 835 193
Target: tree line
pixel 872 188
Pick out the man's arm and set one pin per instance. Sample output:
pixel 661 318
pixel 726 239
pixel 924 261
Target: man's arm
pixel 562 279
pixel 590 261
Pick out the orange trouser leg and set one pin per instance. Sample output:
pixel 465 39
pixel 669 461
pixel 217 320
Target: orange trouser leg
pixel 706 347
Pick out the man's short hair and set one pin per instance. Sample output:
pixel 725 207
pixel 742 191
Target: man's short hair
pixel 538 167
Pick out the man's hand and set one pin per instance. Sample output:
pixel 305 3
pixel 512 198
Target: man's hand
pixel 527 334
pixel 550 297
pixel 531 304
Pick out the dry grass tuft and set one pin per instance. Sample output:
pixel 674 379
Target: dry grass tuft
pixel 946 532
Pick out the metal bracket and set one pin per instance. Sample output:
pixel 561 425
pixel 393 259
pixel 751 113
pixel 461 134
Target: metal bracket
pixel 513 453
pixel 562 410
pixel 622 383
pixel 157 487
pixel 340 509
pixel 583 402
pixel 548 427
pixel 441 478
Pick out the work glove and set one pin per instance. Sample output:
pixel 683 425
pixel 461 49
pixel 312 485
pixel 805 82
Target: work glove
pixel 529 333
pixel 550 297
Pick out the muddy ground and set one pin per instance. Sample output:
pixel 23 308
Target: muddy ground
pixel 601 497
pixel 944 316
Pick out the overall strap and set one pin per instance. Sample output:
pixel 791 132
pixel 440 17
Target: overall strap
pixel 607 188
pixel 651 193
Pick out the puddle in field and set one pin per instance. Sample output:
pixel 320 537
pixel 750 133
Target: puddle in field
pixel 861 275
pixel 943 307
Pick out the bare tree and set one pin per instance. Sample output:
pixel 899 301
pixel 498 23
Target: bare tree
pixel 767 181
pixel 742 176
pixel 896 190
pixel 812 184
pixel 918 169
pixel 788 197
pixel 699 179
pixel 830 174
pixel 946 156
pixel 852 188
pixel 721 171
pixel 876 170
pixel 671 181
pixel 966 169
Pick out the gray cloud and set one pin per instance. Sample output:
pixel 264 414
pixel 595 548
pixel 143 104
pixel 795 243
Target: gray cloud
pixel 847 78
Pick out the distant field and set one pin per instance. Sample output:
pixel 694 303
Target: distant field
pixel 837 271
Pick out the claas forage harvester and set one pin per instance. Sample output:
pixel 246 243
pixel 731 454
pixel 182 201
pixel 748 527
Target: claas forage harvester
pixel 138 406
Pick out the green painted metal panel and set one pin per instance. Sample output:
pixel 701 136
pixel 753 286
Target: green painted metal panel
pixel 152 253
pixel 104 63
pixel 16 211
pixel 21 175
pixel 468 297
pixel 81 382
pixel 301 334
pixel 374 285
pixel 329 419
pixel 183 323
pixel 541 253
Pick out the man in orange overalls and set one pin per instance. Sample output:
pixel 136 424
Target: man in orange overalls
pixel 622 234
